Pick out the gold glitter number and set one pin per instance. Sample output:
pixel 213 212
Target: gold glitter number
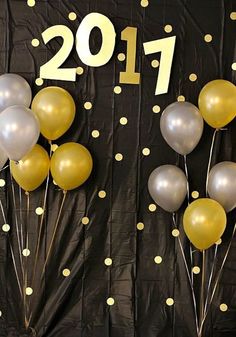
pixel 129 34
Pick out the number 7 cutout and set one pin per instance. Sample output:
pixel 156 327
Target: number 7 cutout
pixel 166 46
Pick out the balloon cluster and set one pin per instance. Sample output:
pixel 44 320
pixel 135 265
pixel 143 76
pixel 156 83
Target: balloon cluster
pixel 52 113
pixel 181 125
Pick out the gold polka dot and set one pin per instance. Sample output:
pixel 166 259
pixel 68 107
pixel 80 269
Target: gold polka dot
pixel 2 183
pixel 208 38
pixel 26 252
pixel 119 157
pixel 108 261
pixel 156 109
pixel 29 291
pixel 158 259
pixel 39 82
pixel 79 70
pixel 123 121
pixel 175 232
pixel 54 147
pixel 66 272
pixel 233 66
pixel 35 42
pixel 181 98
pixel 140 226
pixel 155 63
pixel 170 301
pixel 31 3
pixel 233 16
pixel 95 133
pixel 0 313
pixel 110 301
pixel 72 16
pixel 144 3
pixel 6 227
pixel 85 220
pixel 146 151
pixel 223 307
pixel 168 28
pixel 39 211
pixel 192 77
pixel 121 57
pixel 88 105
pixel 152 207
pixel 218 242
pixel 196 270
pixel 195 194
pixel 102 194
pixel 117 90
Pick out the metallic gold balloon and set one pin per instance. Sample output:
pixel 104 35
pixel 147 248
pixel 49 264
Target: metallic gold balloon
pixel 55 109
pixel 204 222
pixel 71 165
pixel 32 169
pixel 217 103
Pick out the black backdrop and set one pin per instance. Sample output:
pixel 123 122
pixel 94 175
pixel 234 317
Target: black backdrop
pixel 76 305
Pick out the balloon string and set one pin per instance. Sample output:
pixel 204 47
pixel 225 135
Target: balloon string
pixel 4 168
pixel 21 217
pixel 218 278
pixel 210 157
pixel 186 173
pixel 26 257
pixel 188 274
pixel 202 288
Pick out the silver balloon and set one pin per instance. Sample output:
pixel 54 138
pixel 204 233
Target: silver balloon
pixel 182 126
pixel 222 184
pixel 19 131
pixel 167 186
pixel 14 90
pixel 3 158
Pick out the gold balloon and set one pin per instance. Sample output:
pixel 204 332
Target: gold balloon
pixel 71 165
pixel 55 109
pixel 217 103
pixel 32 169
pixel 204 222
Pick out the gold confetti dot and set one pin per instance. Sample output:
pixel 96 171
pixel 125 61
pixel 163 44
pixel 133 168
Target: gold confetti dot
pixel 39 211
pixel 208 38
pixel 192 77
pixel 158 259
pixel 72 16
pixel 102 194
pixel 6 227
pixel 156 109
pixel 108 261
pixel 110 301
pixel 233 16
pixel 155 63
pixel 26 252
pixel 0 313
pixel 39 82
pixel 2 183
pixel 119 157
pixel 85 220
pixel 79 70
pixel 233 66
pixel 54 147
pixel 218 242
pixel 146 151
pixel 170 301
pixel 223 307
pixel 181 98
pixel 195 194
pixel 31 3
pixel 196 270
pixel 95 133
pixel 144 3
pixel 117 90
pixel 140 226
pixel 29 291
pixel 121 57
pixel 175 232
pixel 88 105
pixel 168 28
pixel 35 42
pixel 152 207
pixel 123 121
pixel 66 272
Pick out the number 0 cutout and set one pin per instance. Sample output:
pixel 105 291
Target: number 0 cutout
pixel 107 29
